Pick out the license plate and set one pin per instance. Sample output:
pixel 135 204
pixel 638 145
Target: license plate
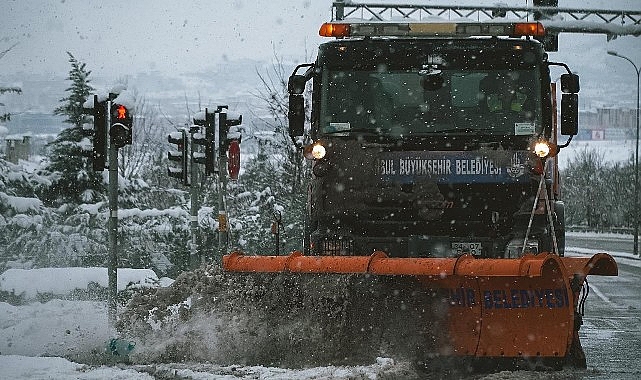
pixel 460 248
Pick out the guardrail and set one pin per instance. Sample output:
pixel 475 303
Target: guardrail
pixel 611 230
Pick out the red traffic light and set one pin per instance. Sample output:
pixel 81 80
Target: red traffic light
pixel 121 131
pixel 121 112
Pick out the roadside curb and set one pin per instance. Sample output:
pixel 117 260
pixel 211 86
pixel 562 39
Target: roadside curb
pixel 588 252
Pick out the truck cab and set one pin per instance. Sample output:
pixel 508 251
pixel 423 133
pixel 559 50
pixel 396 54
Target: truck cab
pixel 433 140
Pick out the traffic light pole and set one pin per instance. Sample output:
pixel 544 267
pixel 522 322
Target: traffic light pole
pixel 222 213
pixel 194 190
pixel 207 156
pixel 112 271
pixel 222 184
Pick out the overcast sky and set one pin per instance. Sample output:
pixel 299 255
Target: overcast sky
pixel 169 36
pixel 122 38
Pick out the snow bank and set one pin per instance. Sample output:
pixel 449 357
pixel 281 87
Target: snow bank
pixel 47 368
pixel 54 328
pixel 21 367
pixel 61 281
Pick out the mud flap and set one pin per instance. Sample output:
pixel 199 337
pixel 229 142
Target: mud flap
pixel 576 356
pixel 495 309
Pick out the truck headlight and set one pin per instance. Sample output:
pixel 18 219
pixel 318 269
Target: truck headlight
pixel 315 151
pixel 541 149
pixel 544 148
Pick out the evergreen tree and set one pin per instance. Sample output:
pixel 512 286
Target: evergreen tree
pixel 68 155
pixel 252 203
pixel 275 181
pixel 20 211
pixel 3 89
pixel 262 195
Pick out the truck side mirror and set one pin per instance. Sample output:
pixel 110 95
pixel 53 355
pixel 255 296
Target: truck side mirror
pixel 569 114
pixel 296 115
pixel 570 83
pixel 296 84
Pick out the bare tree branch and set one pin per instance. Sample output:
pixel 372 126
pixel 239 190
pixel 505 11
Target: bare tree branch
pixel 148 141
pixel 4 52
pixel 274 96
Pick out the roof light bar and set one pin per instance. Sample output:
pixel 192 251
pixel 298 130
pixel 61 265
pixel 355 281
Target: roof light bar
pixel 425 29
pixel 334 30
pixel 529 29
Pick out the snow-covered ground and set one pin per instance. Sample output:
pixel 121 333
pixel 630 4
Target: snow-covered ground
pixel 612 150
pixel 61 281
pixel 36 339
pixel 23 367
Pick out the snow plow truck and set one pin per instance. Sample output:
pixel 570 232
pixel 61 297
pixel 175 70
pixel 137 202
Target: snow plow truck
pixel 435 188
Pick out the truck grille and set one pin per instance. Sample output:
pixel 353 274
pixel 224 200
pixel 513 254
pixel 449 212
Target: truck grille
pixel 336 246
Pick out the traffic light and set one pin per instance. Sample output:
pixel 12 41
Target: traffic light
pixel 226 120
pixel 179 155
pixel 204 138
pixel 210 148
pixel 99 154
pixel 121 126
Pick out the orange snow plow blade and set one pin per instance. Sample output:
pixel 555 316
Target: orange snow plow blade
pixel 495 308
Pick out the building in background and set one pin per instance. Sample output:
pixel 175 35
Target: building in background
pixel 17 148
pixel 607 123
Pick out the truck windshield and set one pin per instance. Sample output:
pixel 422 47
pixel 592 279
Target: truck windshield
pixel 427 102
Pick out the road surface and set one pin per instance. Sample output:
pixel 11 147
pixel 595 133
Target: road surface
pixel 611 333
pixel 605 243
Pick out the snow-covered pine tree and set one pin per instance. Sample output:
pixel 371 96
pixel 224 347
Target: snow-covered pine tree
pixel 267 189
pixel 8 89
pixel 74 180
pixel 21 214
pixel 253 200
pixel 275 180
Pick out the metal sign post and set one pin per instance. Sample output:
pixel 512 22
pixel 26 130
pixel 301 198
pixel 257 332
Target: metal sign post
pixel 112 271
pixel 194 193
pixel 222 184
